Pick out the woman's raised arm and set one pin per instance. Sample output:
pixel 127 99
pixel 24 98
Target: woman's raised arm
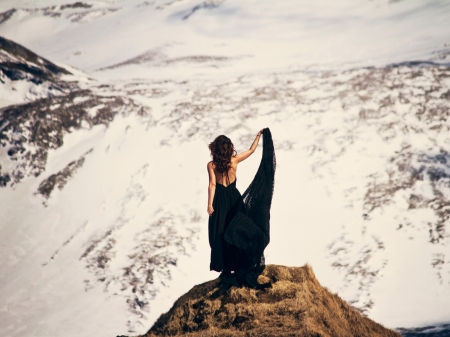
pixel 244 155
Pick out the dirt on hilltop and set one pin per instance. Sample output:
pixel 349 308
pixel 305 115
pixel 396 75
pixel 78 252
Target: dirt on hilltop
pixel 296 305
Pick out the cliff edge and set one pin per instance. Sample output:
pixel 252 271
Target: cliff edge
pixel 296 305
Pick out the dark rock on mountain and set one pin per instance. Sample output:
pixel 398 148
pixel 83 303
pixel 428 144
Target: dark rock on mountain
pixel 5 16
pixel 77 4
pixel 441 330
pixel 20 63
pixel 29 130
pixel 60 179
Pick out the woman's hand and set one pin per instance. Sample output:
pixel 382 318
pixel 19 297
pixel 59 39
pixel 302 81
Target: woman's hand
pixel 210 210
pixel 244 155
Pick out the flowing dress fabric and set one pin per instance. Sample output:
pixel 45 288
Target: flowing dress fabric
pixel 226 203
pixel 249 230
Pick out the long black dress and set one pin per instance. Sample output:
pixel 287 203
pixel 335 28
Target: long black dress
pixel 226 203
pixel 240 230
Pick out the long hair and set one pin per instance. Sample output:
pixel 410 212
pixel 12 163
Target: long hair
pixel 221 151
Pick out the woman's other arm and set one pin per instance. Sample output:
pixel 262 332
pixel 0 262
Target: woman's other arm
pixel 244 155
pixel 211 188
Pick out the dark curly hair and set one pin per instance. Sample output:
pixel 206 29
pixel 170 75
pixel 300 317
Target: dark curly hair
pixel 221 151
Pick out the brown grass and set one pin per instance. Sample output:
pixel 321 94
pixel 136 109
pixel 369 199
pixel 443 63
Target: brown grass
pixel 296 305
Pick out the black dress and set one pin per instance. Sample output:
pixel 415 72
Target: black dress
pixel 239 228
pixel 226 203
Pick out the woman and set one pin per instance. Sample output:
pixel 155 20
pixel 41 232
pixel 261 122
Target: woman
pixel 240 248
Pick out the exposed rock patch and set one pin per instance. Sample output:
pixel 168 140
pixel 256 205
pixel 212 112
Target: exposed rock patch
pixel 30 130
pixel 78 4
pixel 158 58
pixel 5 16
pixel 19 63
pixel 208 4
pixel 61 178
pixel 441 330
pixel 137 273
pixel 75 12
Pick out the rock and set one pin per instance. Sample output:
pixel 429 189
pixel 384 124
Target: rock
pixel 296 305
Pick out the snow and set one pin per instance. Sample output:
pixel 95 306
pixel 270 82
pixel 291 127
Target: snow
pixel 273 34
pixel 264 69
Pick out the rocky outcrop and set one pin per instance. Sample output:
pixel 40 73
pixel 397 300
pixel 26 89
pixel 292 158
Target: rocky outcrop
pixel 20 63
pixel 30 129
pixel 296 305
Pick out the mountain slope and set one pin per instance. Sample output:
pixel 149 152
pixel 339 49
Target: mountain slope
pixel 25 76
pixel 102 170
pixel 18 62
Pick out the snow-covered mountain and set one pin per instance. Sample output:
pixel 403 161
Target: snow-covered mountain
pixel 106 111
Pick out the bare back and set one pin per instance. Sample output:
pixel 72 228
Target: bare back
pixel 228 178
pixel 221 178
